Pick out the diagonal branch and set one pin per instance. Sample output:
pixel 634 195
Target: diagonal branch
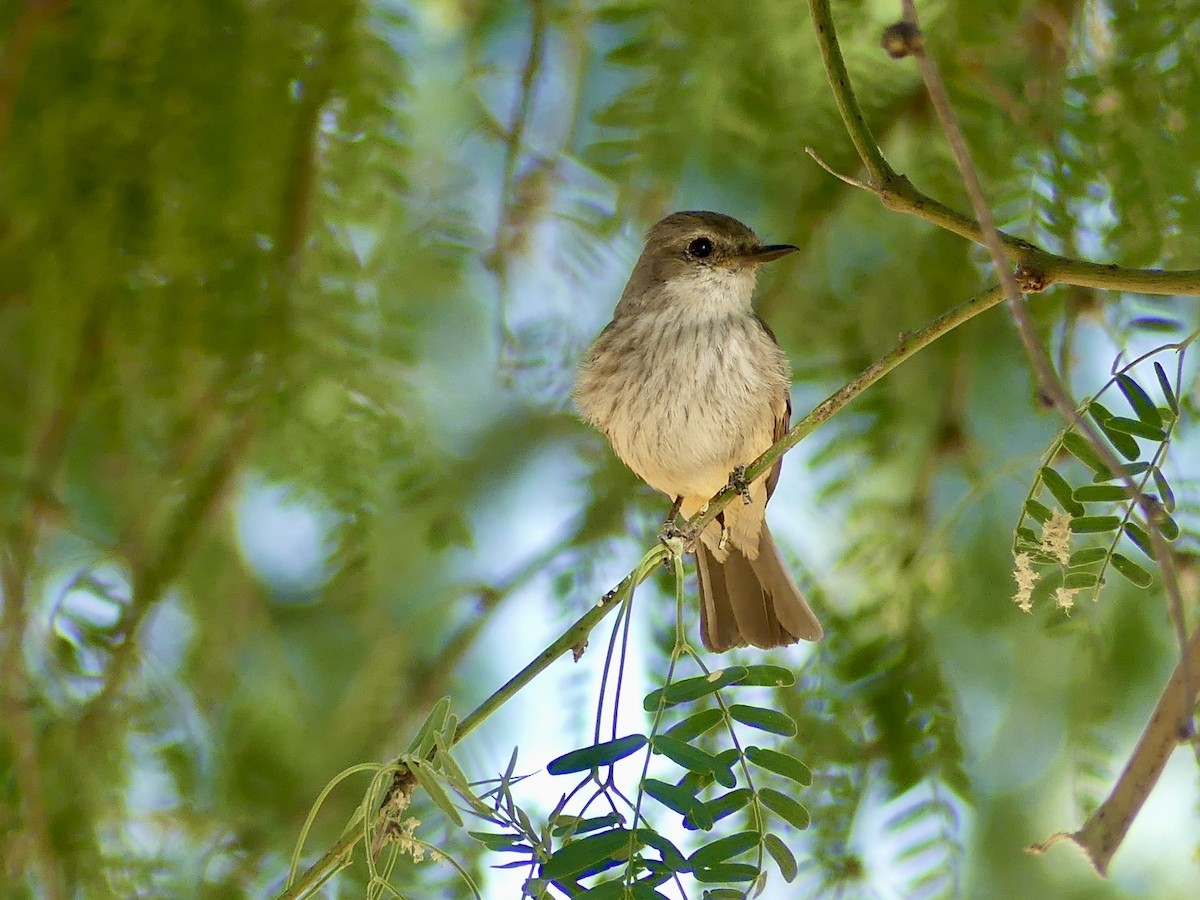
pixel 576 634
pixel 1105 829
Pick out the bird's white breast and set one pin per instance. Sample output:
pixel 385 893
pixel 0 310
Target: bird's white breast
pixel 698 385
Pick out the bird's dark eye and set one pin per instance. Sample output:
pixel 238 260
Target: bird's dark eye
pixel 701 247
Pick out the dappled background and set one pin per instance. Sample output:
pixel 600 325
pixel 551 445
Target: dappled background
pixel 290 298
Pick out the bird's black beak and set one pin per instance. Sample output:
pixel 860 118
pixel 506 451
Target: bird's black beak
pixel 764 254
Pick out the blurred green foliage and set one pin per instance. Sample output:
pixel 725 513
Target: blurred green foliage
pixel 353 249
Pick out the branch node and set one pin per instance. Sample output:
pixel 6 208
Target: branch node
pixel 1031 280
pixel 902 39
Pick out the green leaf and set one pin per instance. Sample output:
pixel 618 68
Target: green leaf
pixel 678 800
pixel 1124 444
pixel 783 857
pixel 1027 534
pixel 1165 384
pixel 1078 447
pixel 1039 512
pixel 724 849
pixel 586 853
pixel 1131 570
pixel 422 742
pixel 781 764
pixel 1078 580
pixel 792 811
pixel 444 761
pixel 719 807
pixel 764 719
pixel 1136 427
pixel 1164 489
pixel 430 785
pixel 695 725
pixel 1095 524
pixel 691 758
pixel 1167 526
pixel 693 688
pixel 603 754
pixel 1139 400
pixel 768 676
pixel 1129 470
pixel 1101 493
pixel 501 843
pixel 577 826
pixel 1087 556
pixel 1058 486
pixel 1140 539
pixel 671 856
pixel 725 873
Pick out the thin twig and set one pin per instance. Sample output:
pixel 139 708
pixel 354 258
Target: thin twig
pixel 853 182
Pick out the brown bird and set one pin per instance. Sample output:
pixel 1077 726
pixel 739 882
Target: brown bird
pixel 688 384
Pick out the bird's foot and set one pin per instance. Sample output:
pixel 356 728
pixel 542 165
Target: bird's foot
pixel 737 481
pixel 669 521
pixel 676 539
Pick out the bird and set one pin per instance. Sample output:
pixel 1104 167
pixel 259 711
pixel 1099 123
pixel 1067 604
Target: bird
pixel 689 385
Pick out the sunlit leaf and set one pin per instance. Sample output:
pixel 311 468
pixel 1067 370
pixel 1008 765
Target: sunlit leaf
pixel 792 811
pixel 1131 570
pixel 780 764
pixel 1079 447
pixel 1135 427
pixel 783 857
pixel 763 675
pixel 725 848
pixel 1037 511
pixel 1061 490
pixel 1095 524
pixel 1101 493
pixel 430 785
pixel 764 719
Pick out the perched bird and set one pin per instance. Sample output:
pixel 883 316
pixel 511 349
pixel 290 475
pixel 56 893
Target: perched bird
pixel 689 384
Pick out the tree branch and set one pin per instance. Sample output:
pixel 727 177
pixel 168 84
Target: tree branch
pixel 1102 834
pixel 573 637
pixel 897 193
